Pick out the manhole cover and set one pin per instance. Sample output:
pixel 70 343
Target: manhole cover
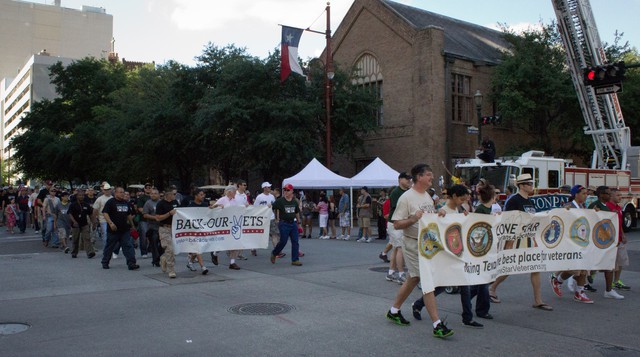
pixel 263 308
pixel 380 269
pixel 9 328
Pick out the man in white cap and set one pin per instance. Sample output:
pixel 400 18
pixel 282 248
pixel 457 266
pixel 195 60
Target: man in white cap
pixel 267 199
pixel 521 202
pixel 98 206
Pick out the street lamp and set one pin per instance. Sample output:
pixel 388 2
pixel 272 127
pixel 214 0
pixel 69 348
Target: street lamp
pixel 328 86
pixel 478 100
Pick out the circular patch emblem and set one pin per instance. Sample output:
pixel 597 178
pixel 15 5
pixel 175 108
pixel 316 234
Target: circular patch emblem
pixel 552 234
pixel 479 239
pixel 604 234
pixel 580 232
pixel 453 239
pixel 429 243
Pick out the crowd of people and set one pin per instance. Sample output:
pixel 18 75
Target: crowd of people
pixel 120 220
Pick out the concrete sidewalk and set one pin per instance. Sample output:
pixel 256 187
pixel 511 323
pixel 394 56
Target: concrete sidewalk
pixel 338 301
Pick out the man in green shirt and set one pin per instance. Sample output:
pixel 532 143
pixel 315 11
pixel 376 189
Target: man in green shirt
pixel 287 212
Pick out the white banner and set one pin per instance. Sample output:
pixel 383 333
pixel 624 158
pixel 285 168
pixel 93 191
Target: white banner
pixel 467 250
pixel 200 230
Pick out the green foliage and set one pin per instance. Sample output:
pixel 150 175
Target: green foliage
pixel 173 122
pixel 533 91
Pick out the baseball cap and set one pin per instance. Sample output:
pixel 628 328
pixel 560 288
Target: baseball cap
pixel 266 184
pixel 288 187
pixel 576 189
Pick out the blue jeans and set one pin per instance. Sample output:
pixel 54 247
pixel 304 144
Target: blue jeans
pixel 22 223
pixel 483 302
pixel 105 235
pixel 142 238
pixel 50 232
pixel 122 239
pixel 288 230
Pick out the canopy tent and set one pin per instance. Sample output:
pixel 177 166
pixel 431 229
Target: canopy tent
pixel 376 174
pixel 315 175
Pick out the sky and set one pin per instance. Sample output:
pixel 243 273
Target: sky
pixel 162 30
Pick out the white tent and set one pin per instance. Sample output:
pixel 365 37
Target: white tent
pixel 376 174
pixel 316 175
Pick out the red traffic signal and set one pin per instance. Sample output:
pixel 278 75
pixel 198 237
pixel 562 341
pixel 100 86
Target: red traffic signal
pixel 604 75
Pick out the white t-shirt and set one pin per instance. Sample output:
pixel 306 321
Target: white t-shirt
pixel 224 201
pixel 98 205
pixel 242 198
pixel 495 208
pixel 265 200
pixel 408 204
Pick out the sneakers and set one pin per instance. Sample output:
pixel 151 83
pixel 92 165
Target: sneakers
pixel 369 240
pixel 134 267
pixel 205 270
pixel 281 255
pixel 296 263
pixel 571 284
pixel 397 319
pixel 190 266
pixel 556 286
pixel 114 256
pixel 383 257
pixel 582 297
pixel 144 256
pixel 234 266
pixel 346 237
pixel 416 312
pixel 361 240
pixel 392 277
pixel 273 258
pixel 471 324
pixel 401 279
pixel 67 250
pixel 590 288
pixel 442 331
pixel 613 295
pixel 91 255
pixel 619 285
pixel 214 259
pixel 172 275
pixel 590 277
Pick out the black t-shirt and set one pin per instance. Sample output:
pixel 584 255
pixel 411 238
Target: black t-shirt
pixel 23 202
pixel 80 212
pixel 90 200
pixel 164 207
pixel 519 203
pixel 194 204
pixel 43 194
pixel 118 211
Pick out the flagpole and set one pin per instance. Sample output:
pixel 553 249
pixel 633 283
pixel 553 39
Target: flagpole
pixel 328 69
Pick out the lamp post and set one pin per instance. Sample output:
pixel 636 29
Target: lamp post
pixel 328 86
pixel 478 100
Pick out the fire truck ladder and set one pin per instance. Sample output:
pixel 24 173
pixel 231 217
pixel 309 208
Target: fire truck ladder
pixel 602 113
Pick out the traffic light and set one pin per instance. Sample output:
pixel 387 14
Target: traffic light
pixel 604 75
pixel 495 120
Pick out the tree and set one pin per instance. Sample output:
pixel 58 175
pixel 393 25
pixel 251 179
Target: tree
pixel 534 93
pixel 62 138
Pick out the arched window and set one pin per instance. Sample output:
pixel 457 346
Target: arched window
pixel 367 74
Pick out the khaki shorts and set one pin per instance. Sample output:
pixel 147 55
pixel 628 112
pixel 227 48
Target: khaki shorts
pixel 364 222
pixel 410 253
pixel 395 236
pixel 622 258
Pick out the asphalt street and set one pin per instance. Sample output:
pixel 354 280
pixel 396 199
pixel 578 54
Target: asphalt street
pixel 334 305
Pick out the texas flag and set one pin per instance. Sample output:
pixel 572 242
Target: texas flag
pixel 289 52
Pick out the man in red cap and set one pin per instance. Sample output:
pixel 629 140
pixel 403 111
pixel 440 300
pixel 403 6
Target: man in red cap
pixel 287 210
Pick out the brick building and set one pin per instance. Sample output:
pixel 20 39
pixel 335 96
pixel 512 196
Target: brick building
pixel 426 68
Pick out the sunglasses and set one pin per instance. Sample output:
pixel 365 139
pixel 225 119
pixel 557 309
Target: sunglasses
pixel 287 190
